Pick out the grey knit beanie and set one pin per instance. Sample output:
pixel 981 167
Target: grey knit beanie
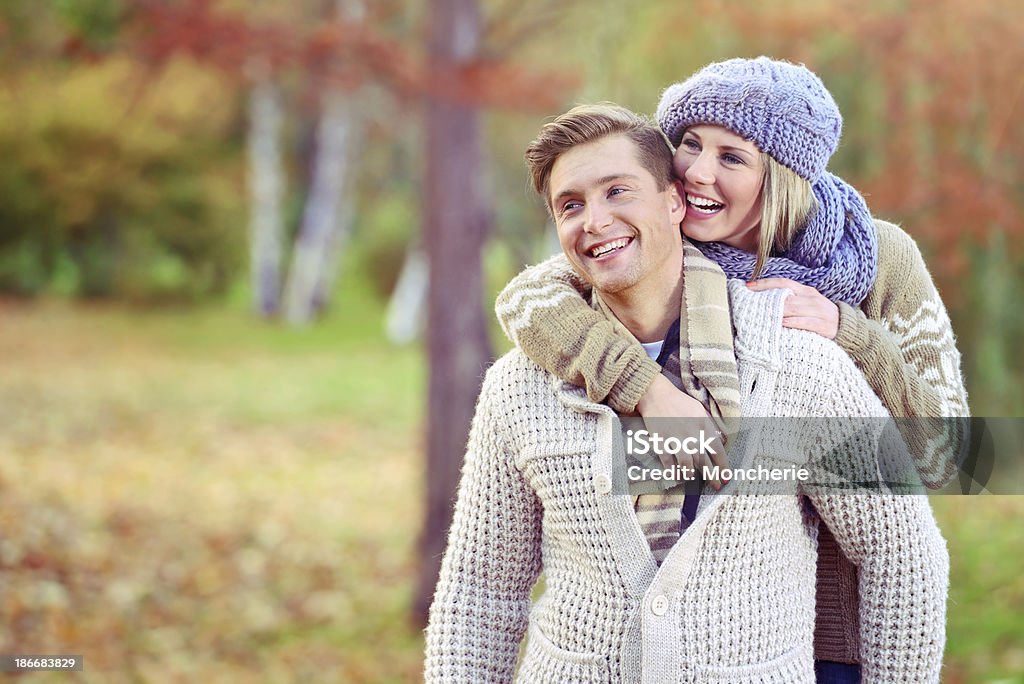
pixel 782 108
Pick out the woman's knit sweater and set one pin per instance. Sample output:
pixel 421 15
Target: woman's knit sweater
pixel 733 601
pixel 900 338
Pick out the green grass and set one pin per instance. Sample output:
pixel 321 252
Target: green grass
pixel 985 627
pixel 195 495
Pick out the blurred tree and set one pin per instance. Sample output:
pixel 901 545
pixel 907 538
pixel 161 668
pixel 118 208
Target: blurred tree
pixel 257 47
pixel 406 307
pixel 329 209
pixel 456 225
pixel 266 187
pixel 102 197
pixel 98 195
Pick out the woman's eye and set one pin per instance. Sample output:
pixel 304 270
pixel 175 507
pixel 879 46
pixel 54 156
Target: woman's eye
pixel 731 159
pixel 691 144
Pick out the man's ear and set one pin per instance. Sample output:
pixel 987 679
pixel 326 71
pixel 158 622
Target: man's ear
pixel 677 201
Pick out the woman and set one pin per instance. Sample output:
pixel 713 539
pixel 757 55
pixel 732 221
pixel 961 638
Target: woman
pixel 746 130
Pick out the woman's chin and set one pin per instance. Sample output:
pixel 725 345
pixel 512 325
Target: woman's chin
pixel 699 232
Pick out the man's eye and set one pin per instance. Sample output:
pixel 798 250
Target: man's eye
pixel 616 191
pixel 569 206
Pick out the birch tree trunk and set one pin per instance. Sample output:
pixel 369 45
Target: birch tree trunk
pixel 404 321
pixel 327 216
pixel 266 187
pixel 455 231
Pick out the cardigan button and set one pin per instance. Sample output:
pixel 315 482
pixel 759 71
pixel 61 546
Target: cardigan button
pixel 659 606
pixel 602 483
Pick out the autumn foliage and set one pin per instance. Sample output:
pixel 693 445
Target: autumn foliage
pixel 342 53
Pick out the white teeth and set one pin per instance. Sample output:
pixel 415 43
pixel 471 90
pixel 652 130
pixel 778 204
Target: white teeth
pixel 701 201
pixel 703 205
pixel 609 247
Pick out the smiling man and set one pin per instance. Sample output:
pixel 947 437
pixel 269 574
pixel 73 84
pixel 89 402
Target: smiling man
pixel 617 230
pixel 659 587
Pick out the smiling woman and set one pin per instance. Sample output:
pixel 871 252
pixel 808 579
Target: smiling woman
pixel 721 174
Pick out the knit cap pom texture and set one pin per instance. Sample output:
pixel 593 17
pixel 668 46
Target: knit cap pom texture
pixel 783 108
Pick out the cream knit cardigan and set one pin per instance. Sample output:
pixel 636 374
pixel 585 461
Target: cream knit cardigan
pixel 733 602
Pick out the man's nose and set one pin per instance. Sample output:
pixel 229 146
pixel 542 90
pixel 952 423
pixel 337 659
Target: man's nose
pixel 701 170
pixel 597 217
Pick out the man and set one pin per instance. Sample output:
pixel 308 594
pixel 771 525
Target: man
pixel 731 597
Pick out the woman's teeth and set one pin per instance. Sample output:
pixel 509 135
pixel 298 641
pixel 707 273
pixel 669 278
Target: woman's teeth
pixel 703 205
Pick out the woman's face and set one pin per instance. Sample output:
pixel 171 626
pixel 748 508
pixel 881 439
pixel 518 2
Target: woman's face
pixel 722 175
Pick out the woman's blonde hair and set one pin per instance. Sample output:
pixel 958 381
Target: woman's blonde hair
pixel 787 202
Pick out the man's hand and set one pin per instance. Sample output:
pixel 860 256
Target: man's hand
pixel 663 400
pixel 807 309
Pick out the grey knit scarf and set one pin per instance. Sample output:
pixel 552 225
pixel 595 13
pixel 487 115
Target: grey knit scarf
pixel 836 253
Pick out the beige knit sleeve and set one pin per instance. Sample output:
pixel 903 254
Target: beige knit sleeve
pixel 903 581
pixel 543 311
pixel 902 341
pixel 903 576
pixel 903 564
pixel 482 599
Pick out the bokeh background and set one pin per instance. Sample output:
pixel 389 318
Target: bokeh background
pixel 227 385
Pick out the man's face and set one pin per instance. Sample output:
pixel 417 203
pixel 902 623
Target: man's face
pixel 617 229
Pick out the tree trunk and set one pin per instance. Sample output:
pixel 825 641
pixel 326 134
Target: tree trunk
pixel 405 310
pixel 266 187
pixel 455 230
pixel 327 216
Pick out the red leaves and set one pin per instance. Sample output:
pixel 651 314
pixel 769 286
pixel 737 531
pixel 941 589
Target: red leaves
pixel 162 30
pixel 496 84
pixel 341 54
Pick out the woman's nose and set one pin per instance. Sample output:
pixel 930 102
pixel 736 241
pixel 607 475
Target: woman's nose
pixel 701 170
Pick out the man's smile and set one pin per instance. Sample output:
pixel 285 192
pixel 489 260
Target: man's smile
pixel 608 247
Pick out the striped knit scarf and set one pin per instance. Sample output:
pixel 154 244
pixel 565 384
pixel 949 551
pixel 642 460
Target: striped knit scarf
pixel 836 253
pixel 706 371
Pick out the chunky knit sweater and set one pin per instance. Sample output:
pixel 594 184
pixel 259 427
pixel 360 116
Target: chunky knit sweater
pixel 733 601
pixel 900 338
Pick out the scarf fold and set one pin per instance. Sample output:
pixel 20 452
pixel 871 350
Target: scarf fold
pixel 836 253
pixel 703 366
pixel 707 358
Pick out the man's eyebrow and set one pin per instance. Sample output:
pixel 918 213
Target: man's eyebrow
pixel 600 181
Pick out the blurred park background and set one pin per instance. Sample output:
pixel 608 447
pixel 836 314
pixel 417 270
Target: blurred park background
pixel 228 389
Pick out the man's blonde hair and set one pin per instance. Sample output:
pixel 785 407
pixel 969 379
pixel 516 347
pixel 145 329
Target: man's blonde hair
pixel 787 202
pixel 587 123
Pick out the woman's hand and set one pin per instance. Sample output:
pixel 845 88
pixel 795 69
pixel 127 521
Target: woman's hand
pixel 662 400
pixel 807 309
